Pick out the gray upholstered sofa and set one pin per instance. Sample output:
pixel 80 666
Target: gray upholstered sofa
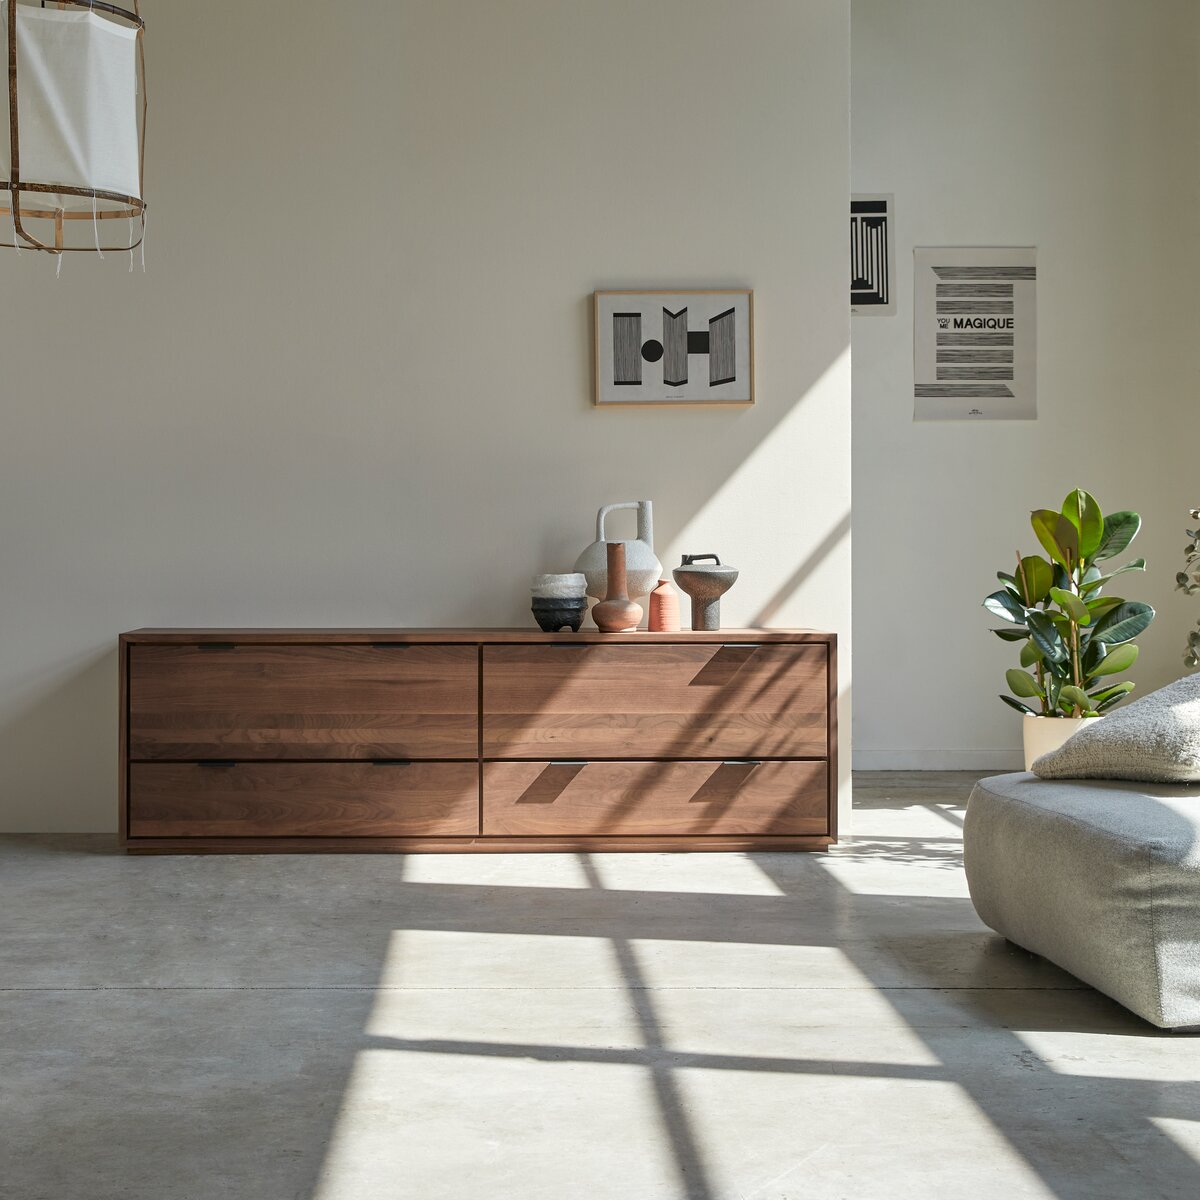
pixel 1100 878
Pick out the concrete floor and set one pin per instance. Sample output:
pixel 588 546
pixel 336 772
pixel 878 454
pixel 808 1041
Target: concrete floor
pixel 642 1027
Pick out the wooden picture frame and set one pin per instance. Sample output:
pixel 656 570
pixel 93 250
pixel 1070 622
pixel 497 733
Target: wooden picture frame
pixel 673 348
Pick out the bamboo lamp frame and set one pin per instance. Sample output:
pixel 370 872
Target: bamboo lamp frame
pixel 116 205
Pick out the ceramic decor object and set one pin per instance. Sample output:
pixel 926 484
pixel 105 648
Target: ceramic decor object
pixel 705 583
pixel 616 613
pixel 1042 735
pixel 664 608
pixel 553 613
pixel 642 569
pixel 568 586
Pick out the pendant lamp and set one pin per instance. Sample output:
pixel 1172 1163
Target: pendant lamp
pixel 71 165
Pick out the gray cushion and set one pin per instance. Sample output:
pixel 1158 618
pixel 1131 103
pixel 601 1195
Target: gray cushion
pixel 1101 878
pixel 1155 739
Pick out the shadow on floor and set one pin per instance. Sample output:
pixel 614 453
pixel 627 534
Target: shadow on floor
pixel 229 1012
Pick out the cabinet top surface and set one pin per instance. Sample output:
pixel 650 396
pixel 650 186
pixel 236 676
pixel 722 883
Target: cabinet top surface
pixel 466 636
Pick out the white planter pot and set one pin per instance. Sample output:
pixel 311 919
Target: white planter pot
pixel 1043 734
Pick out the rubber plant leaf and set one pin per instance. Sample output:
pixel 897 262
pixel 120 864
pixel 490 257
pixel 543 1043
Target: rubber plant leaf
pixel 1081 509
pixel 1058 536
pixel 1120 529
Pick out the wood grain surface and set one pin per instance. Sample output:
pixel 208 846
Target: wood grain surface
pixel 299 701
pixel 664 701
pixel 684 798
pixel 563 844
pixel 303 800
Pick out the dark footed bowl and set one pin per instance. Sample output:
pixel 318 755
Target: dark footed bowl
pixel 554 612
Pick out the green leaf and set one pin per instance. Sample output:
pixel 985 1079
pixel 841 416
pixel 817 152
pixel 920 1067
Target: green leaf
pixel 1005 606
pixel 1030 654
pixel 1061 670
pixel 1072 605
pixel 1123 624
pixel 1083 512
pixel 1102 605
pixel 1137 564
pixel 1024 708
pixel 1023 684
pixel 1109 703
pixel 1046 637
pixel 1034 577
pixel 1012 635
pixel 1075 697
pixel 1118 660
pixel 1058 536
pixel 1112 693
pixel 1119 530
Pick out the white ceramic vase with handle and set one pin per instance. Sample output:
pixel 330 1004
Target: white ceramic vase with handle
pixel 642 569
pixel 1043 734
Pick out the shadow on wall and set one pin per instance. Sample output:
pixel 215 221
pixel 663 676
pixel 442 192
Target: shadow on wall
pixel 58 745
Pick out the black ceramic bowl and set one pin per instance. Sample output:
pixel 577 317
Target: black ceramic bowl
pixel 553 612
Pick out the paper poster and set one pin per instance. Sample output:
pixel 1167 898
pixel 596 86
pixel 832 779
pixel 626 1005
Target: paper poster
pixel 975 333
pixel 872 255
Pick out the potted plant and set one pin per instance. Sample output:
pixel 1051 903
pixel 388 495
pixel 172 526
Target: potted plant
pixel 1188 581
pixel 1073 638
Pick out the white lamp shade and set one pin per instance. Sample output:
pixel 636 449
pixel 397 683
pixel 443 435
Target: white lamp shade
pixel 77 86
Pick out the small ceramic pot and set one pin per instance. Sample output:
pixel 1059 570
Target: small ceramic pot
pixel 553 612
pixel 1043 734
pixel 664 608
pixel 569 586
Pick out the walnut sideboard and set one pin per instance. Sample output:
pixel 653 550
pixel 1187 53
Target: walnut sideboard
pixel 258 740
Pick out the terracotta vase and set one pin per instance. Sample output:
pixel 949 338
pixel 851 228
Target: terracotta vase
pixel 664 608
pixel 616 613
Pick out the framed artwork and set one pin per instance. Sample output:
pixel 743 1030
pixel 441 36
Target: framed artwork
pixel 975 333
pixel 685 347
pixel 872 255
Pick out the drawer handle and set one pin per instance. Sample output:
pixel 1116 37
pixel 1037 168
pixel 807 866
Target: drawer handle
pixel 391 762
pixel 569 762
pixel 211 646
pixel 391 645
pixel 739 645
pixel 741 762
pixel 217 764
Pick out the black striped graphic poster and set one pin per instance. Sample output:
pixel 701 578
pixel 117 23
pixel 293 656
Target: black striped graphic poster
pixel 975 333
pixel 872 255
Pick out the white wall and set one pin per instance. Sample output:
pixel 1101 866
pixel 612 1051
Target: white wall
pixel 354 385
pixel 1073 126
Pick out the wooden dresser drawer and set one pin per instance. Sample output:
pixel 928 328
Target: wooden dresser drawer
pixel 655 701
pixel 302 701
pixel 303 800
pixel 531 799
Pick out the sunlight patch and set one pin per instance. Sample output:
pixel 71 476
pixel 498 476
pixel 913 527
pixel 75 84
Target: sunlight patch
pixel 439 1125
pixel 445 958
pixel 770 963
pixel 497 870
pixel 715 874
pixel 898 867
pixel 1185 1134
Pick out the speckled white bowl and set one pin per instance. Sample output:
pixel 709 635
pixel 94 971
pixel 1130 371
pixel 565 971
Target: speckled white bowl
pixel 559 587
